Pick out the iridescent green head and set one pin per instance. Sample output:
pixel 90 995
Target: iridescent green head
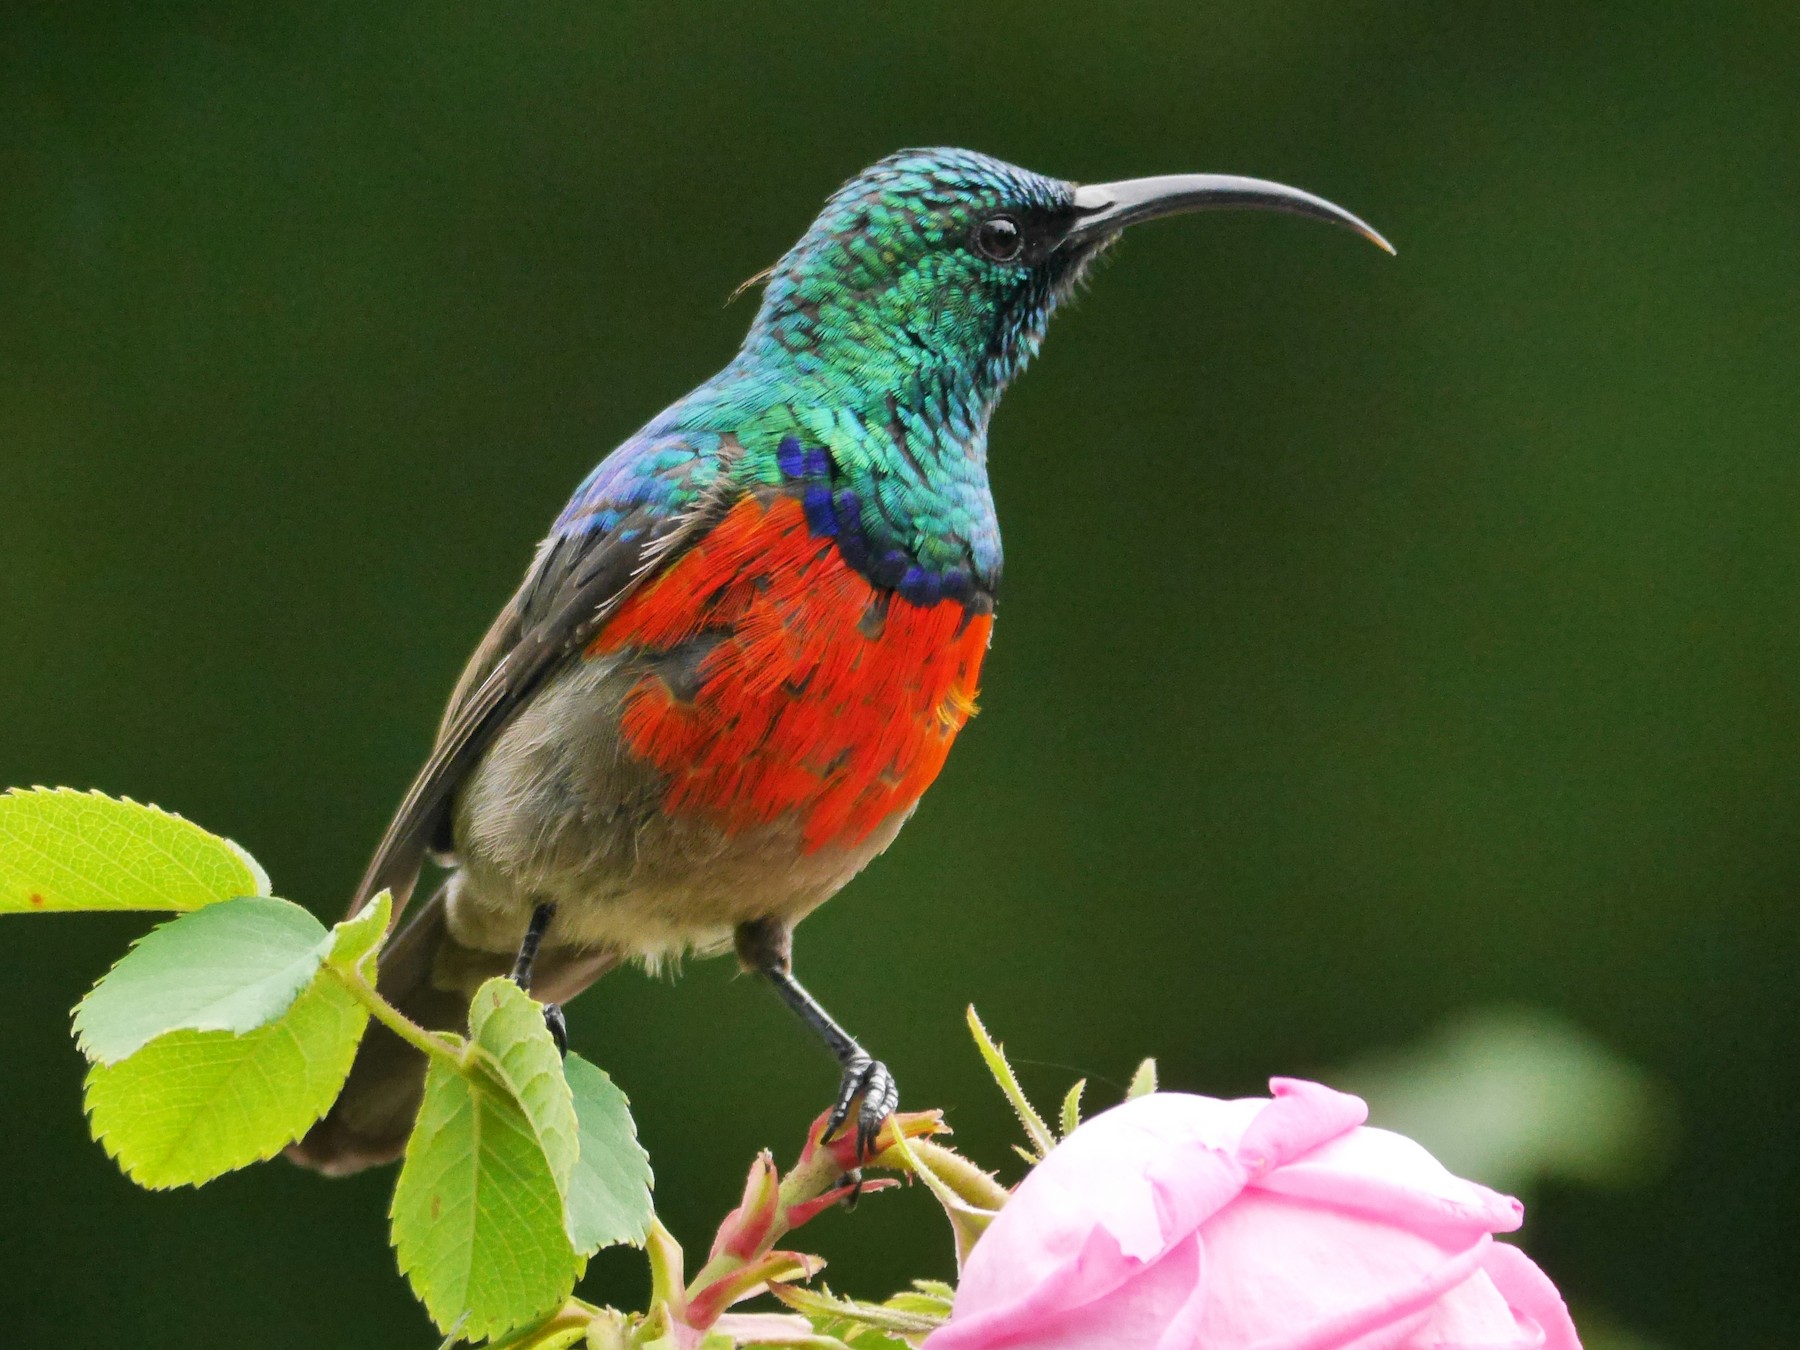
pixel 951 259
pixel 929 257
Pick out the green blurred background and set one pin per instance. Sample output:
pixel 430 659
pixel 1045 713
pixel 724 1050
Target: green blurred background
pixel 1383 641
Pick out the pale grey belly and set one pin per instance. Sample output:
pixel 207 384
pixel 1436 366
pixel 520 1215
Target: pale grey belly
pixel 559 811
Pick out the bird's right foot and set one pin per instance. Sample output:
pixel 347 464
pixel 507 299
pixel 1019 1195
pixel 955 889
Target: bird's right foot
pixel 869 1080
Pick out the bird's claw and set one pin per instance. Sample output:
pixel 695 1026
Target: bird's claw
pixel 869 1080
pixel 559 1027
pixel 854 1180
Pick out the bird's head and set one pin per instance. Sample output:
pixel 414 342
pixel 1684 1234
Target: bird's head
pixel 954 261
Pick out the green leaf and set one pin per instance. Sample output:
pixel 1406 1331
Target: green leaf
pixel 1035 1129
pixel 608 1195
pixel 477 1219
pixel 357 940
pixel 192 1105
pixel 1143 1082
pixel 508 1024
pixel 582 1120
pixel 232 966
pixel 65 850
pixel 1071 1108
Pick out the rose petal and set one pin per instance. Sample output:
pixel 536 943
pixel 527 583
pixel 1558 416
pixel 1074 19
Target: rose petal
pixel 1289 1273
pixel 1473 1316
pixel 1162 1313
pixel 1387 1175
pixel 1301 1117
pixel 1109 1200
pixel 1529 1293
pixel 1174 1222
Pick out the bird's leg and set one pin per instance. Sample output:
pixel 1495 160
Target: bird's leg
pixel 528 950
pixel 766 947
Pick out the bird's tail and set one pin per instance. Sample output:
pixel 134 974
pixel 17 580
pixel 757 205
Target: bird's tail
pixel 431 978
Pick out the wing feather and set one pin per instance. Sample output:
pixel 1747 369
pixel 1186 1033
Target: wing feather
pixel 576 582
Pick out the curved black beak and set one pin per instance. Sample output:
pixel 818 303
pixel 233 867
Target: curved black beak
pixel 1103 209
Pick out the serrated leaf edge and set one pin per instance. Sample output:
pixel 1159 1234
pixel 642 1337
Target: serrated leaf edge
pixel 259 878
pixel 320 949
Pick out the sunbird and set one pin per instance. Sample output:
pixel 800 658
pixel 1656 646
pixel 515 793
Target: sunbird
pixel 743 651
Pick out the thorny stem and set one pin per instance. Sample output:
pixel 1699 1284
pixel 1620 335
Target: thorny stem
pixel 392 1018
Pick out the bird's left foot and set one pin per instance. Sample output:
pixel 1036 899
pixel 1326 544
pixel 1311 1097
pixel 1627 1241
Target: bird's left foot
pixel 559 1027
pixel 869 1080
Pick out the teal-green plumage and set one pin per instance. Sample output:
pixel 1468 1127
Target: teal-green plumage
pixel 885 338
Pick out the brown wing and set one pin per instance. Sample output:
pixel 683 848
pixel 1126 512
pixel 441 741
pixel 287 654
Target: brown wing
pixel 576 581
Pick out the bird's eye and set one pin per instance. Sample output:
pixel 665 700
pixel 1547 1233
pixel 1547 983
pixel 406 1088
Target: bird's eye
pixel 999 238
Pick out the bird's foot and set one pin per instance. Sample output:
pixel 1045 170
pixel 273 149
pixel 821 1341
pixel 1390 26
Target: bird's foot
pixel 559 1027
pixel 869 1080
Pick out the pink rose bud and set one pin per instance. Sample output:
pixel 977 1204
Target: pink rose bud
pixel 748 1228
pixel 1177 1222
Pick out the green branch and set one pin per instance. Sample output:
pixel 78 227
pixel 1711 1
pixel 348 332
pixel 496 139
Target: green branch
pixel 393 1019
